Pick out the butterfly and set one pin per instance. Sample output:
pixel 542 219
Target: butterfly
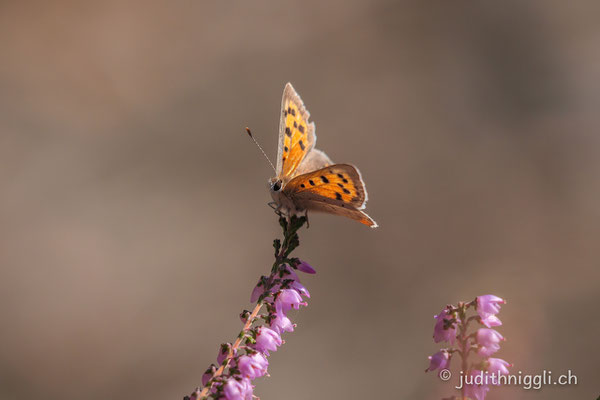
pixel 306 179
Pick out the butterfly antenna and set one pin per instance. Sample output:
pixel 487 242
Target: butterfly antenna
pixel 261 149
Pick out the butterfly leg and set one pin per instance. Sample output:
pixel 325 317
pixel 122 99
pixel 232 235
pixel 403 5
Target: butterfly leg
pixel 276 207
pixel 306 216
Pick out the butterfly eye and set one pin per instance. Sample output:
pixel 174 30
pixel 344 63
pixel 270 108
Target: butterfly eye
pixel 276 187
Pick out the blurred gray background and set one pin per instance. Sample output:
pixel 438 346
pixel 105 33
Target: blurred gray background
pixel 133 217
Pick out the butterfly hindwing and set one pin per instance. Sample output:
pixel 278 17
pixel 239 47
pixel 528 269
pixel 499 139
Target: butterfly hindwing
pixel 340 183
pixel 296 134
pixel 336 189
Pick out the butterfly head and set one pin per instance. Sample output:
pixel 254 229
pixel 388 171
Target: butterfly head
pixel 275 184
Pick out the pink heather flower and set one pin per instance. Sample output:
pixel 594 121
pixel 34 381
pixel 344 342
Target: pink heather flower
pixel 300 289
pixel 290 274
pixel 489 340
pixel 253 366
pixel 224 352
pixel 238 389
pixel 488 305
pixel 498 366
pixel 206 377
pixel 475 391
pixel 306 268
pixel 267 340
pixel 281 324
pixel 208 374
pixel 439 360
pixel 288 299
pixel 259 289
pixel 490 321
pixel 256 292
pixel 487 351
pixel 439 333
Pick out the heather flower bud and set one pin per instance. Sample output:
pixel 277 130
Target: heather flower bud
pixel 244 315
pixel 444 330
pixel 289 273
pixel 439 360
pixel 258 289
pixel 223 352
pixel 306 268
pixel 208 374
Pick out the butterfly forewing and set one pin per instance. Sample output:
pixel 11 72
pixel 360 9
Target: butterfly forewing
pixel 296 134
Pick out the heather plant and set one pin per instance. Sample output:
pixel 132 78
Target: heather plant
pixel 244 360
pixel 479 371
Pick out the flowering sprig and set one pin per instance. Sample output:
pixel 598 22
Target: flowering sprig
pixel 246 359
pixel 452 325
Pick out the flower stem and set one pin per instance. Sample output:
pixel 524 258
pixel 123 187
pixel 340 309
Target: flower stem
pixel 463 343
pixel 232 350
pixel 290 242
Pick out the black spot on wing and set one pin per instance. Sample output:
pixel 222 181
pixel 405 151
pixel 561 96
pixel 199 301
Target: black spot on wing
pixel 338 196
pixel 312 183
pixel 288 131
pixel 301 145
pixel 301 128
pixel 346 191
pixel 324 179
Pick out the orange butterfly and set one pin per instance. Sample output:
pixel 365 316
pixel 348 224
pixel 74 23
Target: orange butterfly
pixel 306 178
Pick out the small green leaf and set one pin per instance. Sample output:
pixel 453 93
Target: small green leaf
pixel 292 244
pixel 283 222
